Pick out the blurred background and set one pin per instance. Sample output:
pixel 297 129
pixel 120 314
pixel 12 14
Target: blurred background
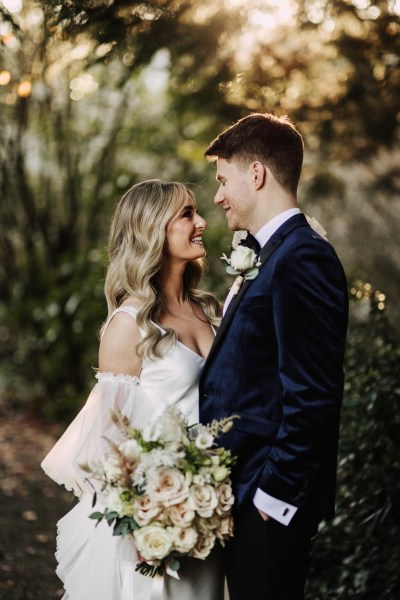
pixel 96 95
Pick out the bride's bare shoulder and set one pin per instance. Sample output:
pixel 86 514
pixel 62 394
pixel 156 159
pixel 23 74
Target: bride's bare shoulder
pixel 132 301
pixel 117 351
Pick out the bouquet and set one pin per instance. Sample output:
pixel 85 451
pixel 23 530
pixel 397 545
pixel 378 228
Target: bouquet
pixel 167 486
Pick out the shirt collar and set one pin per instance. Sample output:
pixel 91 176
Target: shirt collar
pixel 263 235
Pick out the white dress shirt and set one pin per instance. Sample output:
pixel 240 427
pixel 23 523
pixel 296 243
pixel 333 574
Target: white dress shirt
pixel 273 507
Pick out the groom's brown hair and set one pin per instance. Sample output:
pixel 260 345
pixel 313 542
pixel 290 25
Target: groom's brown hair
pixel 272 140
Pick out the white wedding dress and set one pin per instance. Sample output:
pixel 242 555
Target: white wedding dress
pixel 92 563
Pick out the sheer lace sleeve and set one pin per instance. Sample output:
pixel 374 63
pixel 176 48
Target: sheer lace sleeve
pixel 84 440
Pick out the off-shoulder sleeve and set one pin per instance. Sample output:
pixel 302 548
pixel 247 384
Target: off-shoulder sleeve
pixel 85 440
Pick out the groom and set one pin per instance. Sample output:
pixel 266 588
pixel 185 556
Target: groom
pixel 277 363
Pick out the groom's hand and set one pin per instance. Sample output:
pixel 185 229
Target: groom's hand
pixel 263 515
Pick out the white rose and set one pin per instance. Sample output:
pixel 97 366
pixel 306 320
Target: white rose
pixel 184 539
pixel 168 486
pixel 153 542
pixel 225 498
pixel 203 547
pixel 225 528
pixel 145 510
pixel 242 258
pixel 203 499
pixel 181 514
pixel 204 439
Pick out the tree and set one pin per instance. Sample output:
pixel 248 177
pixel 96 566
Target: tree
pixel 82 119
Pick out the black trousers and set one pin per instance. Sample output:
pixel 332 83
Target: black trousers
pixel 266 560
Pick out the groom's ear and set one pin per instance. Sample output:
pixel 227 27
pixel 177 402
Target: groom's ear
pixel 258 173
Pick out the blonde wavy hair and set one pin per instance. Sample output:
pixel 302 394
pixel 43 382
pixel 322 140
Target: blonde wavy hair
pixel 136 247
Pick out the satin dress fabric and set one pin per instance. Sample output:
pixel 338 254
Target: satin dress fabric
pixel 92 563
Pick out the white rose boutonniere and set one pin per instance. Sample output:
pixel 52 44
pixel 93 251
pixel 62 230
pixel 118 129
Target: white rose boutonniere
pixel 242 262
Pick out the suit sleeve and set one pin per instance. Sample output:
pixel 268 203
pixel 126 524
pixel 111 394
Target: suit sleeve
pixel 310 319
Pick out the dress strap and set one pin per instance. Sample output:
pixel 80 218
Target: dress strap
pixel 130 310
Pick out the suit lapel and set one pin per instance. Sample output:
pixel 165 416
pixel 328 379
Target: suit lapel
pixel 266 252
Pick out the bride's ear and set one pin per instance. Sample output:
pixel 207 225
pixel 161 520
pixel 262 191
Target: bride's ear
pixel 259 174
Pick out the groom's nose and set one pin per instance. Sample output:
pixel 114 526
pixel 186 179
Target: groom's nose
pixel 219 196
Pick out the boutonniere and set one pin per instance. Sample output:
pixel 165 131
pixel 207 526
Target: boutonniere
pixel 242 262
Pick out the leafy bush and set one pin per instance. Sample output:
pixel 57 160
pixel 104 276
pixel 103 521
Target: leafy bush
pixel 357 555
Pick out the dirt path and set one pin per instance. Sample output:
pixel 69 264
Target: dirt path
pixel 30 506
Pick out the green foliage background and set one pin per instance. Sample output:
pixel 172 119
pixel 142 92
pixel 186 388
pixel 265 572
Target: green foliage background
pixel 123 91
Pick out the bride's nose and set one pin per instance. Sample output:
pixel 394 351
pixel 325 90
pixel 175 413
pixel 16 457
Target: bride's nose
pixel 200 223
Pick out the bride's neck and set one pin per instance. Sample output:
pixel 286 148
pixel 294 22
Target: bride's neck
pixel 171 281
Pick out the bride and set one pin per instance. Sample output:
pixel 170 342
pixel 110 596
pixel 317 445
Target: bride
pixel 153 346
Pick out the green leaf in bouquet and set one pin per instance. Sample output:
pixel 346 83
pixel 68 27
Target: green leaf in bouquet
pixel 96 515
pixel 110 516
pixel 94 500
pixel 173 563
pixel 125 525
pixel 121 528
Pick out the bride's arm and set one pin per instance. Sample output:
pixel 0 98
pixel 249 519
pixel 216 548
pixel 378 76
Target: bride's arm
pixel 117 352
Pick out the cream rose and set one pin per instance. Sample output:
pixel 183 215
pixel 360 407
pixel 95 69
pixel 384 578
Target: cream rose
pixel 145 510
pixel 153 542
pixel 184 539
pixel 242 258
pixel 181 514
pixel 225 528
pixel 205 526
pixel 203 547
pixel 168 486
pixel 225 498
pixel 203 499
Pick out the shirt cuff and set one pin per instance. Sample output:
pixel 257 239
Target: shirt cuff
pixel 274 508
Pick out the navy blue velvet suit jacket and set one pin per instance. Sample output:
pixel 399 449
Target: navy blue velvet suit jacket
pixel 277 362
